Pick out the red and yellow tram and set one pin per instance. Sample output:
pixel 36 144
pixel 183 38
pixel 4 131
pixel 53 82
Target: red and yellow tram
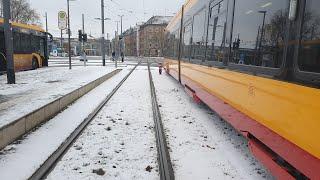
pixel 238 57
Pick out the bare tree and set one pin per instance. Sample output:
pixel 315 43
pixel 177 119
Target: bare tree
pixel 275 30
pixel 22 12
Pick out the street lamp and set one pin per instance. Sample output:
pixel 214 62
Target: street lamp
pixel 121 16
pixel 117 22
pixel 46 16
pixel 121 41
pixel 69 41
pixel 102 19
pixel 8 41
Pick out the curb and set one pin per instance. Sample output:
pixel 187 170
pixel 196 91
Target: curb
pixel 14 130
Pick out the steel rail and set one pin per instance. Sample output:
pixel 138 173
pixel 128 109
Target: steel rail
pixel 45 169
pixel 165 166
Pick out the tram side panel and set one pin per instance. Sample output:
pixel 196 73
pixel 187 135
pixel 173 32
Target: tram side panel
pixel 250 37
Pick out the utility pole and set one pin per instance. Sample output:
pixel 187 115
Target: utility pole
pixel 115 48
pixel 121 40
pixel 262 34
pixel 117 40
pixel 82 44
pixel 103 49
pixel 117 27
pixel 61 41
pixel 8 41
pixel 46 22
pixel 121 22
pixel 46 61
pixel 108 45
pixel 69 41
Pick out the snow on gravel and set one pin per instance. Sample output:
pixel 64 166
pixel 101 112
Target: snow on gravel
pixel 202 146
pixel 120 141
pixel 18 161
pixel 39 87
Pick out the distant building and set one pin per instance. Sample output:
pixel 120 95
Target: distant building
pixel 92 46
pixel 130 41
pixel 146 39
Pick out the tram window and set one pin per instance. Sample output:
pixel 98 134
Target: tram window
pixel 259 32
pixel 198 36
pixel 187 41
pixel 168 48
pixel 309 54
pixel 216 31
pixel 175 41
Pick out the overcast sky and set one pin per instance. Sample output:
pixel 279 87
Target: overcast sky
pixel 133 10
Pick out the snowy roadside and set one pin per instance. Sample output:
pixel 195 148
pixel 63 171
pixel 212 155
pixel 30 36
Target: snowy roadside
pixel 39 87
pixel 18 161
pixel 202 146
pixel 120 141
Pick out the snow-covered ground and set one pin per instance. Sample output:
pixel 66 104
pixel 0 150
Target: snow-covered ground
pixel 120 142
pixel 39 87
pixel 202 146
pixel 18 161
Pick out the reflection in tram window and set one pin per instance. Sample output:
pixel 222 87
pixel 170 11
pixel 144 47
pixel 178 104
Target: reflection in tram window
pixel 258 33
pixel 309 55
pixel 216 31
pixel 198 36
pixel 187 41
pixel 171 48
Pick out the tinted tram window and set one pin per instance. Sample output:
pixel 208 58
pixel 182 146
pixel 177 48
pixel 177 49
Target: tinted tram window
pixel 187 41
pixel 176 36
pixel 169 45
pixel 309 55
pixel 216 30
pixel 259 32
pixel 198 36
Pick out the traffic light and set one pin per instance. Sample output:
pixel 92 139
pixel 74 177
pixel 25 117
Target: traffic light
pixel 80 35
pixel 84 37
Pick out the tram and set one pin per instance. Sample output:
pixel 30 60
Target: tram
pixel 256 63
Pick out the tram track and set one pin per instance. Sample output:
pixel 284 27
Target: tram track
pixel 50 163
pixel 165 165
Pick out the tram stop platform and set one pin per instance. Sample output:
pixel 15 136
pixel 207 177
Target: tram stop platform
pixel 36 88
